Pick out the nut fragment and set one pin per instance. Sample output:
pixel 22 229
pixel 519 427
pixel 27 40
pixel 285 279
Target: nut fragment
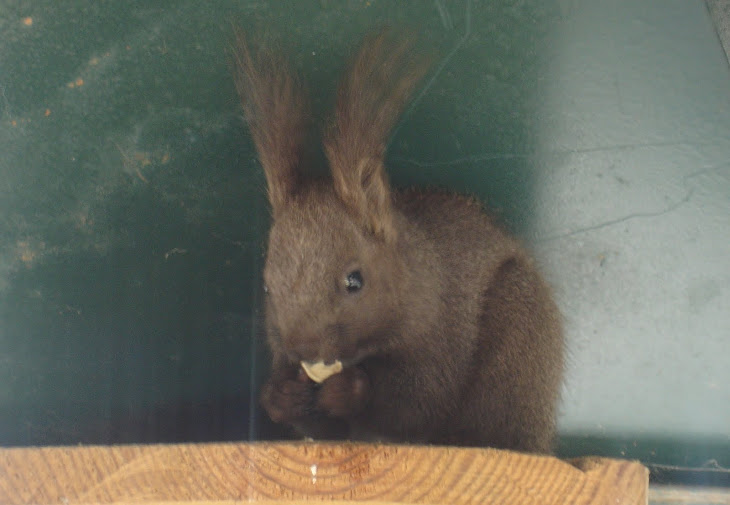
pixel 319 372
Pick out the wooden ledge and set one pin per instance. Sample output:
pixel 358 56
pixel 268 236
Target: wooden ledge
pixel 295 473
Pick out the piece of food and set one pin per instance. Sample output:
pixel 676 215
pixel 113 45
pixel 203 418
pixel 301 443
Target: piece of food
pixel 319 372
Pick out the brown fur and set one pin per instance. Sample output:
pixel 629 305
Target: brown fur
pixel 453 338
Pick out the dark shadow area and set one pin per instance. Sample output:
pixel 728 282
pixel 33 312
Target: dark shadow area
pixel 140 324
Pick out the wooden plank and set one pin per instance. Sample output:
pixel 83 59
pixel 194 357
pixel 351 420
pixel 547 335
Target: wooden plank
pixel 294 473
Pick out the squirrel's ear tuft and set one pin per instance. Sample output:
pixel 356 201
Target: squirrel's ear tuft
pixel 370 98
pixel 277 112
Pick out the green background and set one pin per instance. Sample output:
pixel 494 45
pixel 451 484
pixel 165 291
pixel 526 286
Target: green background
pixel 132 216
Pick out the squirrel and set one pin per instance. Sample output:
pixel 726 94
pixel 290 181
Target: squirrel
pixel 444 330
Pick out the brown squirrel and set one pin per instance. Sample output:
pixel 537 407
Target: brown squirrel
pixel 446 331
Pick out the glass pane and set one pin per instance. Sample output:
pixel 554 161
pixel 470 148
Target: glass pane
pixel 133 213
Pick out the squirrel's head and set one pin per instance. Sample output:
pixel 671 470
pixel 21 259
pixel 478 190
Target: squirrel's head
pixel 333 272
pixel 332 285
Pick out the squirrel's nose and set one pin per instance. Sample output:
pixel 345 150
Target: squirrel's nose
pixel 313 346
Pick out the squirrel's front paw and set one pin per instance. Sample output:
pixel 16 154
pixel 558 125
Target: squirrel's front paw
pixel 344 394
pixel 287 396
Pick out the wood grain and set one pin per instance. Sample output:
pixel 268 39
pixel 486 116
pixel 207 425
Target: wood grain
pixel 294 473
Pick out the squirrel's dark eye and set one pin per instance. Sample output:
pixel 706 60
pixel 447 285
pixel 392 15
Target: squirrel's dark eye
pixel 353 281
